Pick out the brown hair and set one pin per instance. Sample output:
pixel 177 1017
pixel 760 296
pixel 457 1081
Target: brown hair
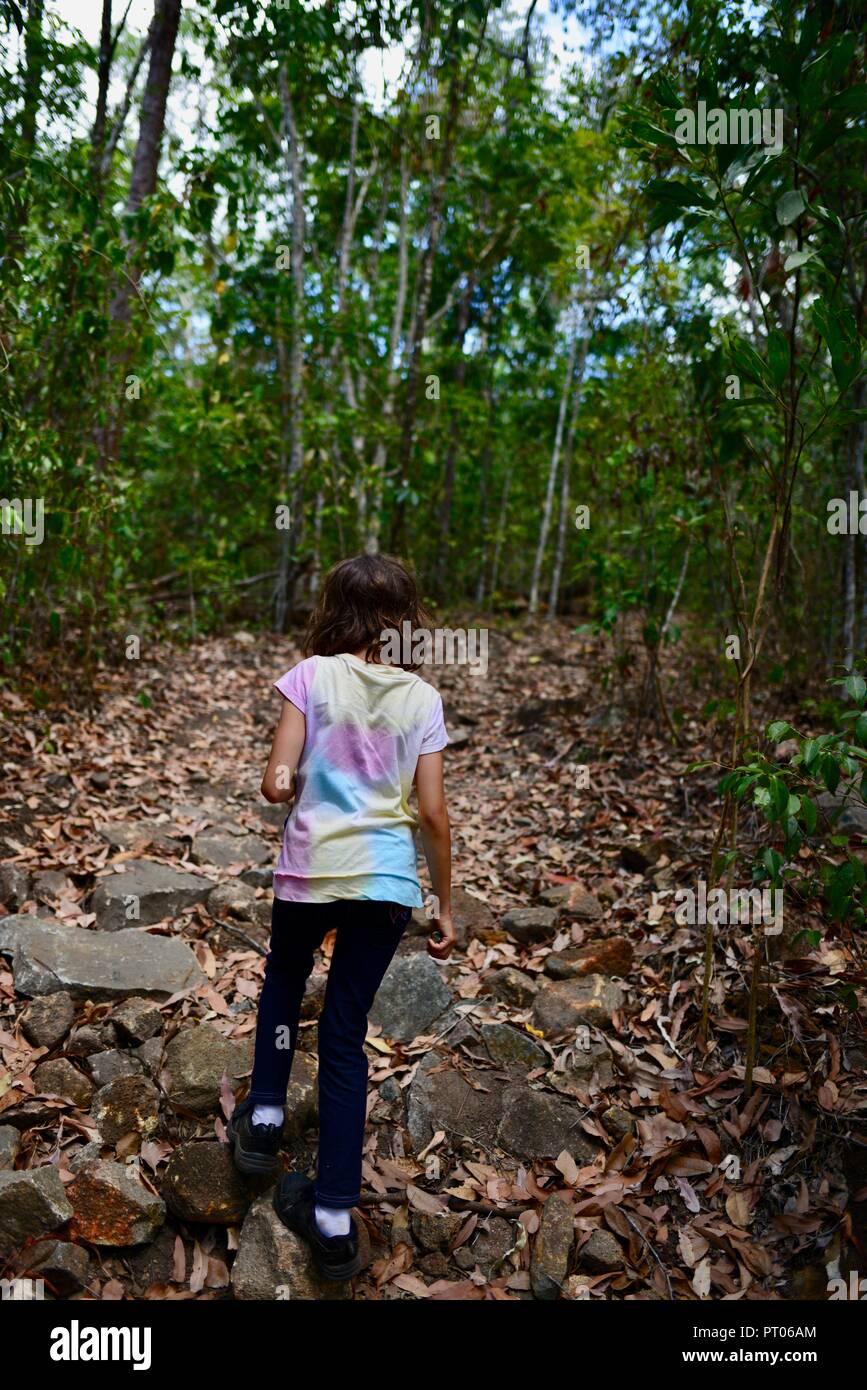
pixel 361 597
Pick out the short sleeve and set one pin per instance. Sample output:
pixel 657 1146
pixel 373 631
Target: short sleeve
pixel 435 736
pixel 296 683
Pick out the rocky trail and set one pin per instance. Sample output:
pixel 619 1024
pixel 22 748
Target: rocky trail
pixel 542 1122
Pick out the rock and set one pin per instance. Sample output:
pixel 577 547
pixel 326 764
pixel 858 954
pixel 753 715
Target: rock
pixel 147 891
pixel 100 781
pixel 611 955
pixel 201 1183
pixel 435 1230
pixel 105 1067
pixel 843 810
pixel 32 1202
pixel 196 1059
pixel 529 925
pixel 562 1007
pixel 150 1054
pixel 435 1265
pixel 601 1254
pixel 234 900
pixel 314 996
pixel 274 1263
pixel 111 1207
pixel 136 1020
pixel 580 906
pixel 617 1121
pixel 510 1047
pixel 129 1105
pixel 537 1125
pixel 90 1038
pixel 48 958
pixel 302 1097
pixel 45 1022
pixel 10 1143
pixel 445 1100
pixel 82 1158
pixel 262 877
pixel 14 886
pixel 154 1263
pixel 511 986
pixel 61 1264
pixel 222 851
pixel 410 997
pixel 578 1286
pixel 60 1078
pixel 549 1263
pixel 588 1066
pixel 638 858
pixel 126 835
pixel 489 1246
pixel 50 885
pixel 472 918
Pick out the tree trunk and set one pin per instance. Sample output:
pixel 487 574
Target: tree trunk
pixel 296 351
pixel 162 37
pixel 374 515
pixel 501 530
pixel 143 181
pixel 563 522
pixel 445 516
pixel 548 507
pixel 97 134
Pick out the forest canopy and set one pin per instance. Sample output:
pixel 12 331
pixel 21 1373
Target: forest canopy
pixel 563 303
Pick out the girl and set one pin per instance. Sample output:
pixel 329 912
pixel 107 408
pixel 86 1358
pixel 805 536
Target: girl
pixel 354 734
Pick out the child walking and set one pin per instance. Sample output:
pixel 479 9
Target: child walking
pixel 354 734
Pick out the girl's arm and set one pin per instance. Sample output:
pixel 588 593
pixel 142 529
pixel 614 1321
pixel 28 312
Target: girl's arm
pixel 278 784
pixel 436 838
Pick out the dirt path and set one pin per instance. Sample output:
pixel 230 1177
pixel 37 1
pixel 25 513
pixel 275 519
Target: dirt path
pixel 542 1123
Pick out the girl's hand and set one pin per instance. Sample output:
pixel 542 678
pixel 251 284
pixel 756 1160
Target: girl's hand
pixel 442 937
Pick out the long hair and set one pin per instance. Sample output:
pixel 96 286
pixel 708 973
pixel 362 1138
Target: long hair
pixel 361 598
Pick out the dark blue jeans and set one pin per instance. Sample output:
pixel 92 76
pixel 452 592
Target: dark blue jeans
pixel 368 934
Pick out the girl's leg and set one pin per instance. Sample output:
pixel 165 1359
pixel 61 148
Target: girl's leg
pixel 367 937
pixel 296 931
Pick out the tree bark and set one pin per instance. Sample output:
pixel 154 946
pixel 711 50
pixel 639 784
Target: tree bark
pixel 563 522
pixel 296 350
pixel 535 582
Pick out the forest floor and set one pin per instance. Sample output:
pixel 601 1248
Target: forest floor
pixel 543 1122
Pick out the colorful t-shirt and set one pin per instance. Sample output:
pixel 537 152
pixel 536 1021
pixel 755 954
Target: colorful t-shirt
pixel 351 832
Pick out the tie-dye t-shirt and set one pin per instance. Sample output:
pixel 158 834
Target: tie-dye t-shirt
pixel 350 832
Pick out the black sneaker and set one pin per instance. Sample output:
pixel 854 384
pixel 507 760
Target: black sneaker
pixel 255 1148
pixel 335 1257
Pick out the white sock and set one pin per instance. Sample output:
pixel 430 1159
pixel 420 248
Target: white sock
pixel 267 1115
pixel 333 1221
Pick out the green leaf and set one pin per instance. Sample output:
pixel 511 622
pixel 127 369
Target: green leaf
pixel 808 814
pixel 778 355
pixel 830 773
pixel 777 731
pixel 854 100
pixel 790 207
pixel 856 687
